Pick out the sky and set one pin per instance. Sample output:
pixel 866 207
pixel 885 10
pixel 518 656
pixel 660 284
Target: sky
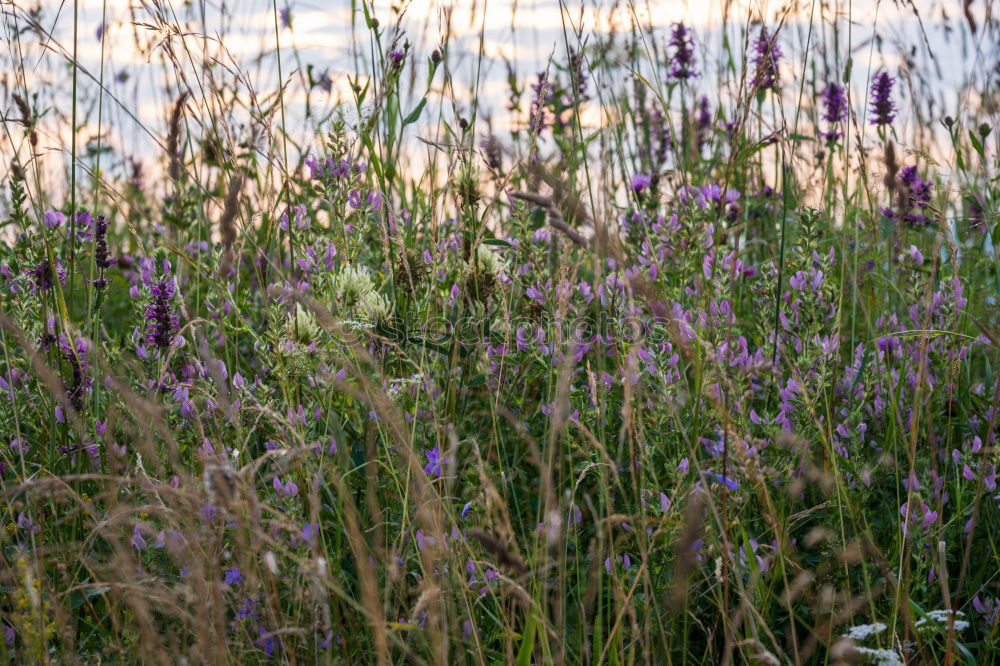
pixel 125 93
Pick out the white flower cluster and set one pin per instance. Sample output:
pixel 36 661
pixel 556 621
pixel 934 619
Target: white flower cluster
pixel 396 384
pixel 863 631
pixel 879 657
pixel 935 620
pixel 942 617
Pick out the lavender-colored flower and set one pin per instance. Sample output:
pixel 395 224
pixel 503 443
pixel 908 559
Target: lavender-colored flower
pixel 161 323
pixel 138 542
pixel 641 181
pixel 659 134
pixel 288 489
pixel 84 227
pixel 915 197
pixel 543 94
pixel 285 16
pixel 435 461
pixel 267 641
pixel 704 118
pixel 42 277
pixel 233 576
pixel 396 58
pixel 492 154
pixel 102 256
pixel 703 121
pixel 25 523
pixel 53 219
pixel 976 213
pixel 76 355
pixel 834 110
pixel 767 53
pixel 682 65
pixel 883 108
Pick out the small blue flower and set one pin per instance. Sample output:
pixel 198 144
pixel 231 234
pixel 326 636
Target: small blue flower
pixel 233 576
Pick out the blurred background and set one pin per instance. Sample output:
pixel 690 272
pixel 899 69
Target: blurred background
pixel 136 57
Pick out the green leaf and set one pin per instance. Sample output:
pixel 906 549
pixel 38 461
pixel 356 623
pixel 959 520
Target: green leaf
pixel 413 115
pixel 498 242
pixel 528 643
pixel 976 143
pixel 80 596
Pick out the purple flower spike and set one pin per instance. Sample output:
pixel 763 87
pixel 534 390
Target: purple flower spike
pixel 883 108
pixel 834 110
pixel 161 323
pixel 543 94
pixel 767 53
pixel 682 61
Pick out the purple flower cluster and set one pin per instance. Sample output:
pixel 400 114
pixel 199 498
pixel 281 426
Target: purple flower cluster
pixel 883 108
pixel 914 199
pixel 161 322
pixel 682 64
pixel 834 111
pixel 767 53
pixel 76 354
pixel 43 278
pixel 543 93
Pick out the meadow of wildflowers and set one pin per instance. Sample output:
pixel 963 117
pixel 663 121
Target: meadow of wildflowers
pixel 679 347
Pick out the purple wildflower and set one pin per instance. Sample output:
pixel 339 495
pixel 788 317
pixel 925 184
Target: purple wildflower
pixel 976 213
pixel 41 275
pixel 233 576
pixel 915 196
pixel 492 154
pixel 267 641
pixel 76 355
pixel 102 257
pixel 682 61
pixel 765 60
pixel 883 108
pixel 161 323
pixel 543 94
pixel 434 462
pixel 703 121
pixel 834 110
pixel 53 219
pixel 25 523
pixel 138 542
pixel 641 181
